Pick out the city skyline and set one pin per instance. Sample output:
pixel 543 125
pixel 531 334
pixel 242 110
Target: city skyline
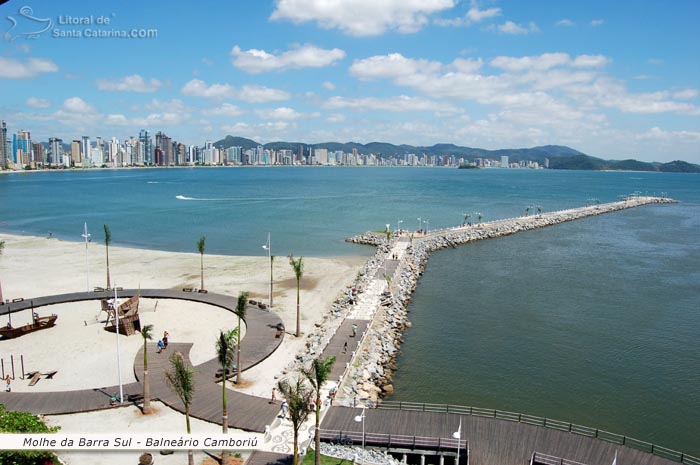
pixel 614 81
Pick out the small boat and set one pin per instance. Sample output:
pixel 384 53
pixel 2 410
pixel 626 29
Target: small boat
pixel 9 332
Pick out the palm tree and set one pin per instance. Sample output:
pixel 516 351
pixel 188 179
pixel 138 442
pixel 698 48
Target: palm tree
pixel 200 247
pixel 181 381
pixel 2 246
pixel 298 267
pixel 147 336
pixel 298 397
pixel 108 239
pixel 480 216
pixel 527 211
pixel 388 235
pixel 466 217
pixel 240 313
pixel 318 374
pixel 225 346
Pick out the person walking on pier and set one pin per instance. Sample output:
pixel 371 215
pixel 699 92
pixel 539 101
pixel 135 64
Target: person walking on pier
pixel 345 347
pixel 354 330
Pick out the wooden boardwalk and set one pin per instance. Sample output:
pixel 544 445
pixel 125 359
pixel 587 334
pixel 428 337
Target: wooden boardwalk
pixel 335 345
pixel 491 441
pixel 246 412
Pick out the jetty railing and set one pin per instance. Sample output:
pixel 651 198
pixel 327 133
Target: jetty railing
pixel 539 458
pixel 392 440
pixel 534 420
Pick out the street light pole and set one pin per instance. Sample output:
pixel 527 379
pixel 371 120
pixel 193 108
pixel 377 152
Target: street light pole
pixel 86 235
pixel 361 418
pixel 419 223
pixel 119 357
pixel 458 436
pixel 268 247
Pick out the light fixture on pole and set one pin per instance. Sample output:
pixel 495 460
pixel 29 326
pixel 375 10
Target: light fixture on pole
pixel 119 357
pixel 268 247
pixel 86 235
pixel 398 225
pixel 458 436
pixel 361 418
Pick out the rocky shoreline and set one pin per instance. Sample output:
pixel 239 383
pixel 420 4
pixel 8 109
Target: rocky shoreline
pixel 369 378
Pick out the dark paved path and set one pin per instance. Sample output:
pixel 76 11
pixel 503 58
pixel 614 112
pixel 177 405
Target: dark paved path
pixel 335 345
pixel 245 411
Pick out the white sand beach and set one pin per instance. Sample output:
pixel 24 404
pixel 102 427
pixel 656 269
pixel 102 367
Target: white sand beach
pixel 84 354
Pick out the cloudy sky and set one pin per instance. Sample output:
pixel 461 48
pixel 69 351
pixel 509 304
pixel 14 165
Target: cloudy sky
pixel 612 79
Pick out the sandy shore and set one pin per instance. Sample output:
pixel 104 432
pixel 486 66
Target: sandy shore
pixel 84 355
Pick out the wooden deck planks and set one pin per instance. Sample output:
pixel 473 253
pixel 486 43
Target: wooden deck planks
pixel 491 441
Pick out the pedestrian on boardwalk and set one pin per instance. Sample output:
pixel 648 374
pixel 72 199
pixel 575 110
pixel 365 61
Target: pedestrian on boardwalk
pixel 272 396
pixel 165 339
pixel 8 387
pixel 354 330
pixel 160 346
pixel 345 347
pixel 285 407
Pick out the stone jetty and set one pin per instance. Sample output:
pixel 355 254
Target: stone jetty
pixel 384 298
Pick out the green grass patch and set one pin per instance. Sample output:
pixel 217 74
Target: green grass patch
pixel 325 459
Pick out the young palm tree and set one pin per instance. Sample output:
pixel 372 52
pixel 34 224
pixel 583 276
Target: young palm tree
pixel 2 246
pixel 225 346
pixel 480 216
pixel 527 211
pixel 298 267
pixel 318 374
pixel 108 239
pixel 147 336
pixel 200 247
pixel 388 235
pixel 240 313
pixel 298 397
pixel 181 381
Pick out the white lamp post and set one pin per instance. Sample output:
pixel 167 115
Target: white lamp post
pixel 119 357
pixel 86 235
pixel 361 418
pixel 458 436
pixel 268 247
pixel 398 226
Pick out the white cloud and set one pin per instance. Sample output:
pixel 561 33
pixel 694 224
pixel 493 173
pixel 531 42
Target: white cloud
pixel 225 109
pixel 538 62
pixel 597 22
pixel 476 15
pixel 35 102
pixel 685 94
pixel 335 118
pixel 393 65
pixel 77 105
pixel 328 85
pixel 655 61
pixel 565 22
pixel 171 106
pixel 19 69
pixel 133 83
pixel 199 88
pixel 281 113
pixel 591 61
pixel 509 27
pixel 660 134
pixel 402 103
pixel 261 94
pixel 305 56
pixel 362 17
pixel 153 120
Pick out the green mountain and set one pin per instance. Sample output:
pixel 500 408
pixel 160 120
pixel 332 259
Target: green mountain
pixel 560 157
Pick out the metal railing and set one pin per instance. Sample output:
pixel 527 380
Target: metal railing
pixel 393 440
pixel 544 459
pixel 603 435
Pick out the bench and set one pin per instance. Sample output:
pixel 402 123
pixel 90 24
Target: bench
pixel 35 379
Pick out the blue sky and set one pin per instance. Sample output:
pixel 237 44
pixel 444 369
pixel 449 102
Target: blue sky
pixel 612 79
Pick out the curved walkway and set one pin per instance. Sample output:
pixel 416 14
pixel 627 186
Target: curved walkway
pixel 247 412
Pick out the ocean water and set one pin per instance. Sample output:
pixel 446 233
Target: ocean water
pixel 594 322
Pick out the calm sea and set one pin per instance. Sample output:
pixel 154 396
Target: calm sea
pixel 596 322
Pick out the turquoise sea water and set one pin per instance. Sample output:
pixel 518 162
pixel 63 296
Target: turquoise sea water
pixel 594 322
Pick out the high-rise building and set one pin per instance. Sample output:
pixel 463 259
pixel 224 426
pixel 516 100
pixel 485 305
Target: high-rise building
pixel 321 156
pixel 165 146
pixel 504 161
pixel 85 150
pixel 55 151
pixel 76 152
pixel 3 145
pixel 21 148
pixel 147 147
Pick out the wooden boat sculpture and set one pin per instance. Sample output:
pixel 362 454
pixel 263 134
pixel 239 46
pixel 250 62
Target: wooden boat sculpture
pixel 10 332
